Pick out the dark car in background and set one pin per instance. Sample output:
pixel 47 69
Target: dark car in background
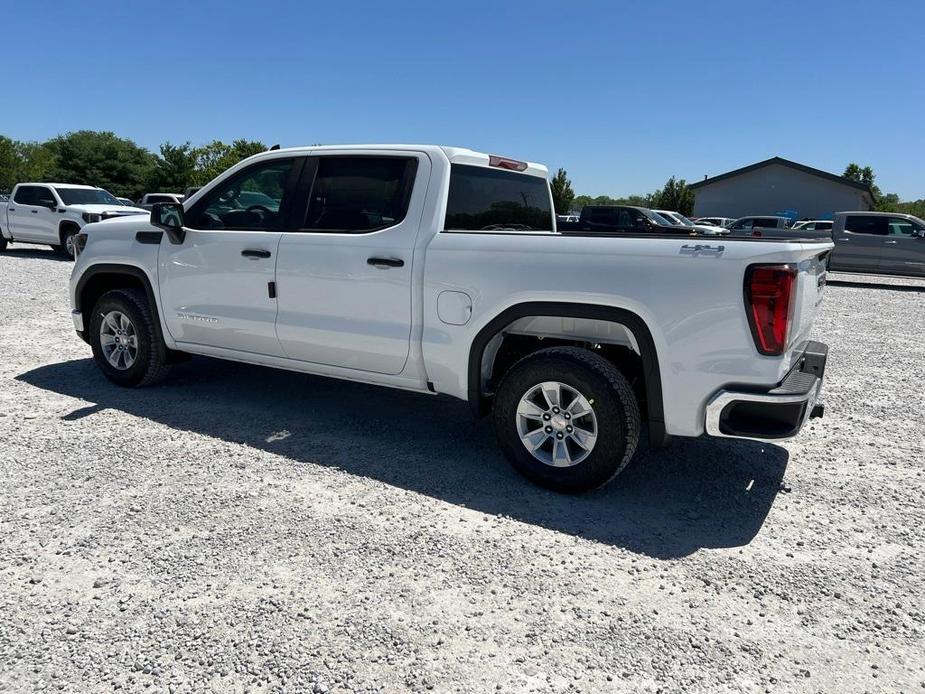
pixel 618 219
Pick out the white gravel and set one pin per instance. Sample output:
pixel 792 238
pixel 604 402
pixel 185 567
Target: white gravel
pixel 240 529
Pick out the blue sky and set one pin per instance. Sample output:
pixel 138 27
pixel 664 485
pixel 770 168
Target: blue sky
pixel 621 94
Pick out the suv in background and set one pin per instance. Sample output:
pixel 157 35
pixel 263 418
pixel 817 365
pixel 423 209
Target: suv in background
pixel 678 219
pixel 757 225
pixel 715 221
pixel 878 243
pixel 148 201
pixel 616 218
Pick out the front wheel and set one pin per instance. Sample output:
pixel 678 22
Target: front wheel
pixel 126 340
pixel 67 247
pixel 566 419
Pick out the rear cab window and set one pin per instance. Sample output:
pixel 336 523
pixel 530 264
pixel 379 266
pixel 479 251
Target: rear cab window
pixel 487 199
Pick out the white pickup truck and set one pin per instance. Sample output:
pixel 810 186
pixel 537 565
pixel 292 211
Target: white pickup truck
pixel 53 213
pixel 440 270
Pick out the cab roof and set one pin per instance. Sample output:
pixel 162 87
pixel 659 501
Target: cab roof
pixel 60 185
pixel 456 155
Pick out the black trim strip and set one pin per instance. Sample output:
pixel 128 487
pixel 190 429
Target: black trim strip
pixel 150 237
pixel 653 379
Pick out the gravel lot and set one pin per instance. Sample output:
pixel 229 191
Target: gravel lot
pixel 240 529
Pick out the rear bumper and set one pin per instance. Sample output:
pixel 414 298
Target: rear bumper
pixel 778 413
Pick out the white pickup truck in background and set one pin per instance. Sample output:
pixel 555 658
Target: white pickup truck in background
pixel 440 270
pixel 53 213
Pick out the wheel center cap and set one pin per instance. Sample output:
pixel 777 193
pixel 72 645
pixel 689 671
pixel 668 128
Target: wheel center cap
pixel 558 422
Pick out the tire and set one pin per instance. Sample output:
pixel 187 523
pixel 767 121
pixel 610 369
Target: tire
pixel 614 419
pixel 149 362
pixel 3 243
pixel 67 243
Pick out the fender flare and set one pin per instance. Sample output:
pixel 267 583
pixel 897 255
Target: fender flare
pixel 119 269
pixel 65 224
pixel 632 321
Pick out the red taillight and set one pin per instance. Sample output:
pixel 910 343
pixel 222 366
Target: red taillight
pixel 505 163
pixel 768 294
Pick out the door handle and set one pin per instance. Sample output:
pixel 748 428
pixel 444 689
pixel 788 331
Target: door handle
pixel 255 253
pixel 34 211
pixel 889 242
pixel 385 262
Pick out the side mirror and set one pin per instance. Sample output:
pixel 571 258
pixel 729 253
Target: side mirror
pixel 169 217
pixel 50 204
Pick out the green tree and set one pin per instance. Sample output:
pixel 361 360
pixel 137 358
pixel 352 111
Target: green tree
pixel 175 167
pixel 866 175
pixel 562 193
pixel 217 156
pixel 23 161
pixel 676 196
pixel 102 159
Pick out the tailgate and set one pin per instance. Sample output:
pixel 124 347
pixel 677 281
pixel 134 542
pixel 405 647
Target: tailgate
pixel 810 287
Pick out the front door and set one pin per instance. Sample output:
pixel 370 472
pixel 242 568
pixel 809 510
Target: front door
pixel 859 245
pixel 344 278
pixel 903 248
pixel 216 287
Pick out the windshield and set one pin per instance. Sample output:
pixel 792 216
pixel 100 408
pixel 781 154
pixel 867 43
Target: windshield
pixel 86 196
pixel 658 219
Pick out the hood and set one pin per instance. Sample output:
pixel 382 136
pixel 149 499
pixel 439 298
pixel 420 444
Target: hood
pixel 112 210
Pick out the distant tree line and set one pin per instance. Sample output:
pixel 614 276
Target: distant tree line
pixel 118 164
pixel 883 202
pixel 675 195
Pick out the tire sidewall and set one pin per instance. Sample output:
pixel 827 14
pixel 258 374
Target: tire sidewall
pixel 610 449
pixel 65 235
pixel 120 301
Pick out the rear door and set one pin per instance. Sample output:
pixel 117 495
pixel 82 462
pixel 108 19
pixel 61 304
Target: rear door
pixel 903 248
pixel 859 245
pixel 344 277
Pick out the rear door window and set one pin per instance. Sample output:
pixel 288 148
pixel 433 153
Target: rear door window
pixel 866 224
pixel 483 199
pixel 360 194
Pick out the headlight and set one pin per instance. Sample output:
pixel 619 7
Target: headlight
pixel 90 217
pixel 80 242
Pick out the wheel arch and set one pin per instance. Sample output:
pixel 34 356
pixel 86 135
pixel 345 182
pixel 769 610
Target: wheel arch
pixel 66 225
pixel 100 278
pixel 630 321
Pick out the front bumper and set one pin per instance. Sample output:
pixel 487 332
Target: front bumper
pixel 775 414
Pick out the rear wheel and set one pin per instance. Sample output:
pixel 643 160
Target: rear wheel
pixel 567 419
pixel 126 340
